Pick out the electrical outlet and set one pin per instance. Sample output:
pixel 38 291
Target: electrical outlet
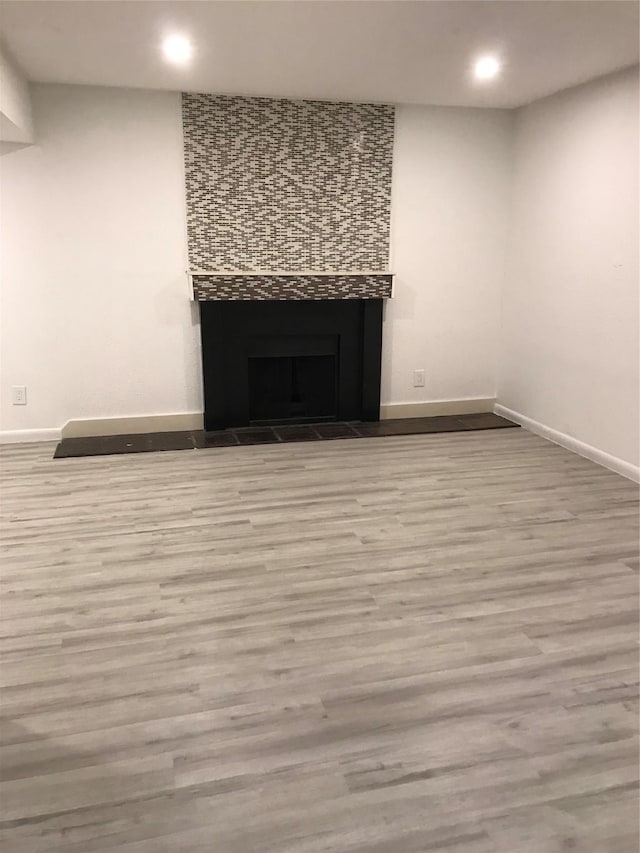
pixel 418 378
pixel 19 395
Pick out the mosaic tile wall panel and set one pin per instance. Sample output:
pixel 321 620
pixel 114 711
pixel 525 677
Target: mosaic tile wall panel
pixel 287 185
pixel 261 287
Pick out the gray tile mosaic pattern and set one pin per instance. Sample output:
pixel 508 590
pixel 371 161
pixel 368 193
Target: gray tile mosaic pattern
pixel 262 287
pixel 287 185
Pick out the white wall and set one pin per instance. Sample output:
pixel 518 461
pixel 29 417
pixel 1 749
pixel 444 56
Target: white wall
pixel 451 182
pixel 94 313
pixel 96 320
pixel 569 351
pixel 16 120
pixel 95 316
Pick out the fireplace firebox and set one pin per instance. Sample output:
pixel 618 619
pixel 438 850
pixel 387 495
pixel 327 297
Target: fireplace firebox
pixel 292 389
pixel 290 361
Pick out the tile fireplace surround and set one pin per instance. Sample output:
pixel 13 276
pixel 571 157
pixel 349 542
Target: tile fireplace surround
pixel 296 286
pixel 287 186
pixel 286 199
pixel 288 217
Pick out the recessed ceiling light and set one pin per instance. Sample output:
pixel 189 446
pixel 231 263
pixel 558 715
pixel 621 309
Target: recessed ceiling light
pixel 177 49
pixel 486 68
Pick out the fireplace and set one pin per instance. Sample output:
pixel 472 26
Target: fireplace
pixel 298 384
pixel 290 361
pixel 288 219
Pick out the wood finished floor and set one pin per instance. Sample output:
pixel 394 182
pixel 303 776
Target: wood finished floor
pixel 393 645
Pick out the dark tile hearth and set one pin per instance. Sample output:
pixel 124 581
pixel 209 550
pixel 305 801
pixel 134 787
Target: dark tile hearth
pixel 223 438
pixel 106 445
pixel 486 420
pixel 296 433
pixel 337 430
pixel 408 426
pixel 258 435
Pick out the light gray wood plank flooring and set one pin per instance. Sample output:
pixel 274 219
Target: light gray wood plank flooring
pixel 391 645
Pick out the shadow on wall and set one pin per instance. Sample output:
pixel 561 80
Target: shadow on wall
pixel 10 147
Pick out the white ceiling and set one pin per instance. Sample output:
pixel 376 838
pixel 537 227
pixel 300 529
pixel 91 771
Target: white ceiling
pixel 388 50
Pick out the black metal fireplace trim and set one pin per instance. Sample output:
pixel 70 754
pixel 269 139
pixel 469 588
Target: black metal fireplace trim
pixel 229 327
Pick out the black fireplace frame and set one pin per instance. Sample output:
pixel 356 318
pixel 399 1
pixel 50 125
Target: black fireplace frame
pixel 229 329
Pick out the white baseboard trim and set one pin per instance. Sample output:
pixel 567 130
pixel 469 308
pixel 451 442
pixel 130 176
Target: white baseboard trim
pixel 433 408
pixel 133 424
pixel 613 463
pixel 23 436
